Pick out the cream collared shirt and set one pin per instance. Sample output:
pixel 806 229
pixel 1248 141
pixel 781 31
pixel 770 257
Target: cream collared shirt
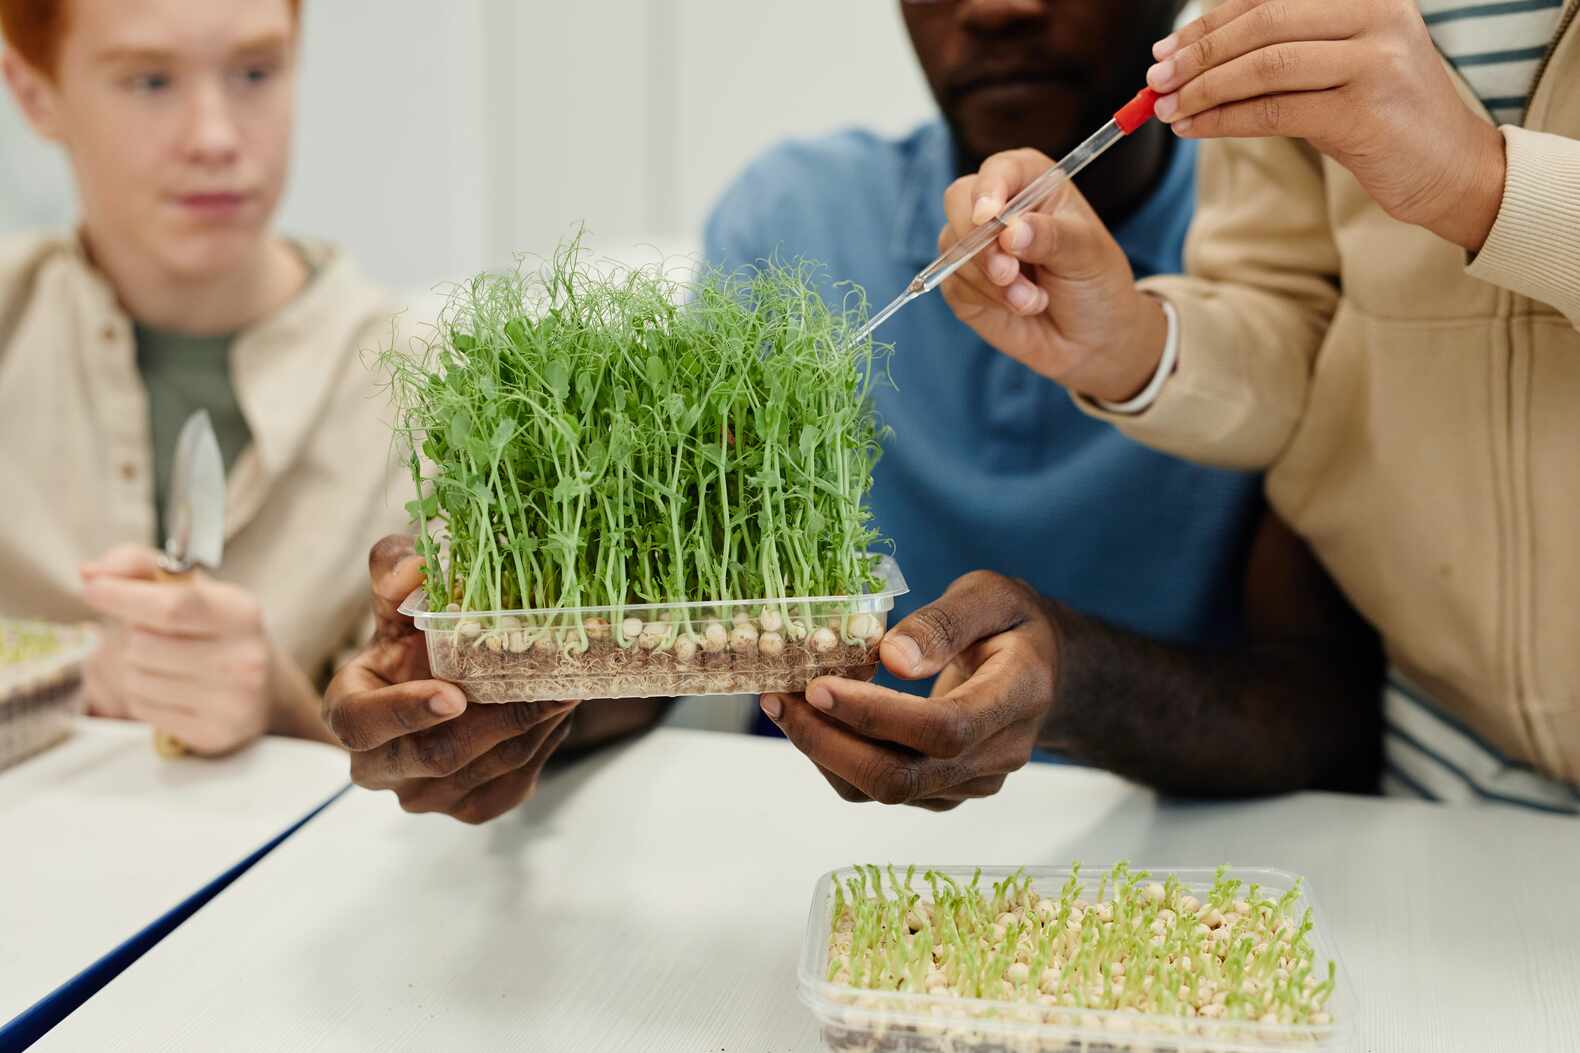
pixel 316 487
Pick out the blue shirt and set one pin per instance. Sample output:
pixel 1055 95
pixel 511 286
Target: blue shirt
pixel 991 466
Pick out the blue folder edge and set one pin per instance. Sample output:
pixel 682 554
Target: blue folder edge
pixel 28 1026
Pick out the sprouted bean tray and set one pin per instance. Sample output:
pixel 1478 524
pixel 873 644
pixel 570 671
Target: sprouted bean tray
pixel 934 1017
pixel 40 670
pixel 657 650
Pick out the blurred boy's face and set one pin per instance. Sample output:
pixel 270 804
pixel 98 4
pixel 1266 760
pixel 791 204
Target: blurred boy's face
pixel 1013 73
pixel 176 116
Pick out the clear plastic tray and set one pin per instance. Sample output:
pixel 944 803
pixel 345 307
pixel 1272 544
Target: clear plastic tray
pixel 657 650
pixel 39 698
pixel 856 1020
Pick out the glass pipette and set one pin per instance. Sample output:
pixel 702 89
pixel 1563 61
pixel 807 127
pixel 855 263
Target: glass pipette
pixel 1135 114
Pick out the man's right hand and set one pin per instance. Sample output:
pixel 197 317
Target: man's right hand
pixel 415 735
pixel 1055 292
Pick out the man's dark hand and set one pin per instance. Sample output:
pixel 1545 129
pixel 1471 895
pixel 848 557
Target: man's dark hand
pixel 415 735
pixel 994 646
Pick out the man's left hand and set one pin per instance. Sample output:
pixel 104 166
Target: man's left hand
pixel 994 647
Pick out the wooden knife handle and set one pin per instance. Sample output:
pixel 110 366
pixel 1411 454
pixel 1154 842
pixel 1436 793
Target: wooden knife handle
pixel 166 744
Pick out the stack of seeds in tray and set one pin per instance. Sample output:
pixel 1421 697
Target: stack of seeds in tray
pixel 1138 946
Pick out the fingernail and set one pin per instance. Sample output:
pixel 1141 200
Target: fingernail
pixel 985 209
pixel 908 652
pixel 1019 236
pixel 1161 76
pixel 820 696
pixel 1167 107
pixel 1042 300
pixel 444 706
pixel 1166 47
pixel 1021 296
pixel 772 706
pixel 1182 126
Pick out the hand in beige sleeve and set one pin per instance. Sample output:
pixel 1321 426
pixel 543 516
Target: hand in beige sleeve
pixel 1361 81
pixel 193 659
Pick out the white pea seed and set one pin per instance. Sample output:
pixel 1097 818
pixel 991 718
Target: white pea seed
pixel 631 628
pixel 770 620
pixel 544 643
pixel 1185 963
pixel 1007 919
pixel 685 650
pixel 714 638
pixel 740 618
pixel 596 628
pixel 496 641
pixel 1080 904
pixel 1049 981
pixel 1116 969
pixel 771 644
pixel 998 933
pixel 824 641
pixel 1320 1018
pixel 1214 918
pixel 744 639
pixel 1048 909
pixel 1212 1009
pixel 1167 917
pixel 1190 905
pixel 1154 892
pixel 452 608
pixel 1105 911
pixel 796 631
pixel 649 641
pixel 509 621
pixel 520 642
pixel 469 629
pixel 1017 973
pixel 865 627
pixel 1077 915
pixel 1241 907
pixel 1202 930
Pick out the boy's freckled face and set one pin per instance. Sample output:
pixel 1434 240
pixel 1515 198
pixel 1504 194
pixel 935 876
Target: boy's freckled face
pixel 176 115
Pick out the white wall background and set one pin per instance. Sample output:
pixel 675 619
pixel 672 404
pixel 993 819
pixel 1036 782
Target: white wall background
pixel 435 139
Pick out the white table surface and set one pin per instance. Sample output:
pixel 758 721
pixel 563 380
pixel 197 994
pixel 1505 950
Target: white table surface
pixel 99 837
pixel 654 899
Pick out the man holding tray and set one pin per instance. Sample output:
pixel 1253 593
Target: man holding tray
pixel 1172 566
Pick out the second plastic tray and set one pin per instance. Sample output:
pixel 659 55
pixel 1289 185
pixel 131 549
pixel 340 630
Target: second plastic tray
pixel 857 1020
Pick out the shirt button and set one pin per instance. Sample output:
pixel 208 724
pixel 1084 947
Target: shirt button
pixel 128 471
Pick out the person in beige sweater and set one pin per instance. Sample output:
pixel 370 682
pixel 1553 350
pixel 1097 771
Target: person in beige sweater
pixel 1383 310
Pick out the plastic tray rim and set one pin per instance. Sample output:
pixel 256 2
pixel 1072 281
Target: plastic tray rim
pixel 415 605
